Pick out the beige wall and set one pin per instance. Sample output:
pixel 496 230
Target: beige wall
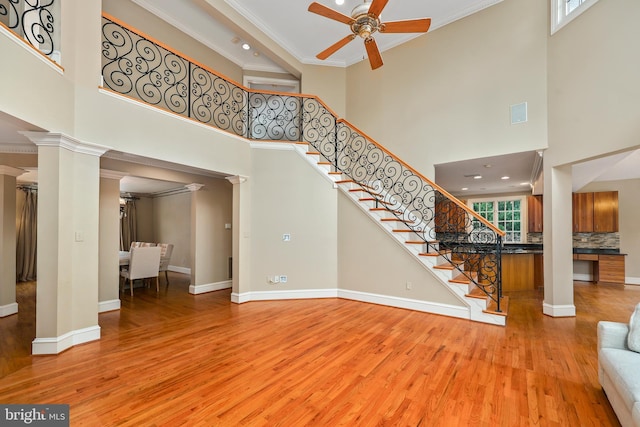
pixel 172 219
pixel 370 261
pixel 145 219
pixel 109 240
pixel 289 196
pixel 329 84
pixel 446 95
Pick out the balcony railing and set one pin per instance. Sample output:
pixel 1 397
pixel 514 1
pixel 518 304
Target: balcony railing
pixel 35 22
pixel 136 66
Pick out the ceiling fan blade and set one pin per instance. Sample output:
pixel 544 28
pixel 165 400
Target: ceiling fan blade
pixel 335 47
pixel 409 26
pixel 330 13
pixel 376 7
pixel 373 53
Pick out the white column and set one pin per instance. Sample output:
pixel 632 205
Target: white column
pixel 109 241
pixel 241 246
pixel 558 242
pixel 68 238
pixel 8 304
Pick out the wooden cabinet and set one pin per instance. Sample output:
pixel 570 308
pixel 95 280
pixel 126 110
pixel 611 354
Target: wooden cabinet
pixel 534 214
pixel 582 212
pixel 595 212
pixel 605 212
pixel 610 268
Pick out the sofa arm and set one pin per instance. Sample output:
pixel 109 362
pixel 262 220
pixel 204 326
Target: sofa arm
pixel 612 335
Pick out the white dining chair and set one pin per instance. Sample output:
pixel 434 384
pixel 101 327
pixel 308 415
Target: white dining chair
pixel 165 258
pixel 144 263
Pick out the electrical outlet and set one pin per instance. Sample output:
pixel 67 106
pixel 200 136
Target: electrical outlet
pixel 283 279
pixel 409 286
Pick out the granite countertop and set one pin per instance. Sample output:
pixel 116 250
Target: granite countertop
pixel 522 248
pixel 597 251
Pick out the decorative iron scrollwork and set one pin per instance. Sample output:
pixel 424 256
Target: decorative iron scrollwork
pixel 31 19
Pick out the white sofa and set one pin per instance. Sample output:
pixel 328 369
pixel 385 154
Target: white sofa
pixel 619 372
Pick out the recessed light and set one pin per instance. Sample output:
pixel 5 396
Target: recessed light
pixel 477 177
pixel 524 183
pixel 487 166
pixel 339 2
pixel 246 46
pixel 504 177
pixel 464 188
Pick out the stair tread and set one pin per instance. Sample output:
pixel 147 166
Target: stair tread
pixel 451 265
pixel 345 181
pixel 463 279
pixel 437 253
pixel 420 242
pixel 492 306
pixel 324 163
pixel 313 153
pixel 335 173
pixel 476 292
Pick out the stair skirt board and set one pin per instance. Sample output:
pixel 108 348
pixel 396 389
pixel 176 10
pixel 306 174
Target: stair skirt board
pixel 460 312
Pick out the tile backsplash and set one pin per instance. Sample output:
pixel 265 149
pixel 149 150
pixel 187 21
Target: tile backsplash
pixel 534 238
pixel 596 240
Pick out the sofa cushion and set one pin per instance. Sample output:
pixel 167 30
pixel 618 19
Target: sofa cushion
pixel 623 366
pixel 635 415
pixel 633 339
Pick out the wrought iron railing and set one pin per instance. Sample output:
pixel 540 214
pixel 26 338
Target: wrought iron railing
pixel 34 21
pixel 138 67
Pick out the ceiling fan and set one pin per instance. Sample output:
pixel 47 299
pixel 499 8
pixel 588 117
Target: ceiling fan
pixel 365 21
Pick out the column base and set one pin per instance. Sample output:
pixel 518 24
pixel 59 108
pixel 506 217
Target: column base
pixel 9 309
pixel 559 310
pixel 59 344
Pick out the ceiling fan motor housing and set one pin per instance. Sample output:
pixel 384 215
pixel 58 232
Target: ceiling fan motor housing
pixel 364 24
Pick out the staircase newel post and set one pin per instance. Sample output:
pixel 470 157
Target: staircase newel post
pixel 499 266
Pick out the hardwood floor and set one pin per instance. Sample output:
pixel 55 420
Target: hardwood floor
pixel 178 359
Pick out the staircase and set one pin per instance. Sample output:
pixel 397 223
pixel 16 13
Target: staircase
pixel 400 225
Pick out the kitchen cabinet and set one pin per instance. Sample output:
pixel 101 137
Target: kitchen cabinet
pixel 582 212
pixel 610 268
pixel 605 212
pixel 595 212
pixel 534 214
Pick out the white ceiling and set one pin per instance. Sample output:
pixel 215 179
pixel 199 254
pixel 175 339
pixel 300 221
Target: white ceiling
pixel 301 33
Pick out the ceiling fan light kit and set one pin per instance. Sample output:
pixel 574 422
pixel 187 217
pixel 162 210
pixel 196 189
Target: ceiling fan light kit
pixel 364 22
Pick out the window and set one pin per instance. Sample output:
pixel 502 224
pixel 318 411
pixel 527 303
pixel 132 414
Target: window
pixel 564 11
pixel 504 213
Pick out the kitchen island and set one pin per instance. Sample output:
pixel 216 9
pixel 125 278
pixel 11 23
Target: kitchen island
pixel 522 267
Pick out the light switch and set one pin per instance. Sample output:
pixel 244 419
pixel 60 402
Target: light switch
pixel 79 236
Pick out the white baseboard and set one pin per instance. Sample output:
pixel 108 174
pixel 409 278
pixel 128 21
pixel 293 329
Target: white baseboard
pixel 209 287
pixel 104 306
pixel 176 269
pixel 582 277
pixel 283 295
pixel 390 301
pixel 632 280
pixel 59 344
pixel 559 310
pixel 9 309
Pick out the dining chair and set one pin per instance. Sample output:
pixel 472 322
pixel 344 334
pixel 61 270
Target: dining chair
pixel 144 263
pixel 165 257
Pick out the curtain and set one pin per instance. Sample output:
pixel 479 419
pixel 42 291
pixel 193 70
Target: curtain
pixel 128 229
pixel 26 248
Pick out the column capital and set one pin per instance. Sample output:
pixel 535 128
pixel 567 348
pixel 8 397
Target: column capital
pixel 110 174
pixel 51 139
pixel 236 179
pixel 193 187
pixel 11 171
